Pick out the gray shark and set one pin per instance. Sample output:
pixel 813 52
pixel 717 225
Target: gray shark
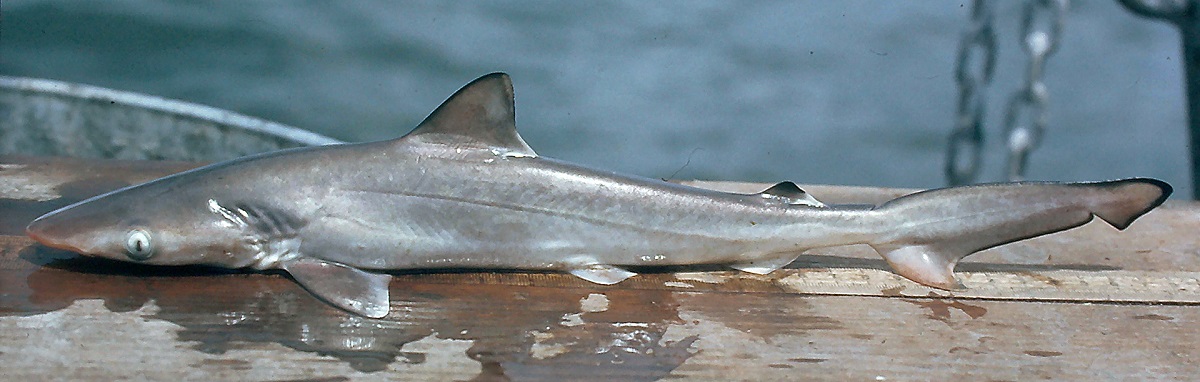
pixel 463 190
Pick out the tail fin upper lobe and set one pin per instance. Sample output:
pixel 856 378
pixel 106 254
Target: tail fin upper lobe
pixel 934 229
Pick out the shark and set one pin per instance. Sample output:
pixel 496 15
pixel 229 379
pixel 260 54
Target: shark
pixel 464 190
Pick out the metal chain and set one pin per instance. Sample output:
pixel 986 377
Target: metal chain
pixel 976 61
pixel 1025 121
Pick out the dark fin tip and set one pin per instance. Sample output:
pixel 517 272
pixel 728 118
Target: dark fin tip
pixel 1165 191
pixel 786 189
pixel 1166 188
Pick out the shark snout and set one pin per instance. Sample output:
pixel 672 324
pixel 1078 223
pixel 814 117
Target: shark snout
pixel 48 232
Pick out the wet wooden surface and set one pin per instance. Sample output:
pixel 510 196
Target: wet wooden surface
pixel 67 317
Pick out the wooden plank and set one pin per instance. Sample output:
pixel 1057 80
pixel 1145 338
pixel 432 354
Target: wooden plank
pixel 67 317
pixel 253 326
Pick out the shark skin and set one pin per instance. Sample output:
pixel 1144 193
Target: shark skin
pixel 463 190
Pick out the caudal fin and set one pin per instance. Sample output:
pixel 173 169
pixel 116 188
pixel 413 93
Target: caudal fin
pixel 933 230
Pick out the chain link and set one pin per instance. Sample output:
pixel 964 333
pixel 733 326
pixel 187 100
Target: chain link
pixel 1025 120
pixel 974 67
pixel 1025 116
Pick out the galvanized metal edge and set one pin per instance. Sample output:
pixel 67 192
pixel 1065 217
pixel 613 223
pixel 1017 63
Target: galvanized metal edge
pixel 219 116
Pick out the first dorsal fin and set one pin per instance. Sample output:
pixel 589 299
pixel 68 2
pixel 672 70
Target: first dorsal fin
pixel 790 193
pixel 481 114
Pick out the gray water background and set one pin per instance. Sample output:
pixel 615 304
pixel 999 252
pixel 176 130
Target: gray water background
pixel 837 92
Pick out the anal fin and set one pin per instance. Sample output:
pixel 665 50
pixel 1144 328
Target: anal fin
pixel 602 274
pixel 930 265
pixel 345 287
pixel 765 266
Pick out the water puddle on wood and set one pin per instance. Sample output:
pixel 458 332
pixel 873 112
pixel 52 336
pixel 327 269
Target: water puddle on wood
pixel 494 326
pixel 509 332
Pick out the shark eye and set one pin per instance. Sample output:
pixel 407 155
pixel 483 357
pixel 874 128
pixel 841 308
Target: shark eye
pixel 138 246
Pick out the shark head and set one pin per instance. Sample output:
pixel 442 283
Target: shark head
pixel 232 215
pixel 178 221
pixel 139 224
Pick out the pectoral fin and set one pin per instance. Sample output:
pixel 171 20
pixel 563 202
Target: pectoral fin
pixel 343 286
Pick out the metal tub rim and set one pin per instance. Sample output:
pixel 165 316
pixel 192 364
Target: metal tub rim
pixel 164 105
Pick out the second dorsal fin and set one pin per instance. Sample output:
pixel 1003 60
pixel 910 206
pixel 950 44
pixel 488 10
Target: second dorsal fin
pixel 790 193
pixel 480 114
